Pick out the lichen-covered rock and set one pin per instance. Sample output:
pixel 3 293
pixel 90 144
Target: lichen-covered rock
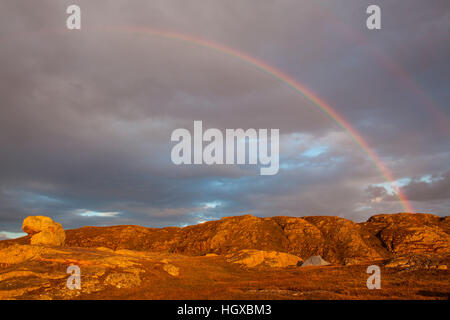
pixel 123 280
pixel 408 233
pixel 44 231
pixel 47 238
pixel 417 261
pixel 35 267
pixel 171 269
pixel 253 258
pixel 35 224
pixel 334 238
pixel 420 239
pixel 17 253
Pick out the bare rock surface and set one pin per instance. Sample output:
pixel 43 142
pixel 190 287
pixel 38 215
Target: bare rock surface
pixel 171 269
pixel 296 236
pixel 418 261
pixel 38 271
pixel 337 240
pixel 44 231
pixel 253 258
pixel 411 233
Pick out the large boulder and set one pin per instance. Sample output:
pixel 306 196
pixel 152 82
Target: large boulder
pixel 44 231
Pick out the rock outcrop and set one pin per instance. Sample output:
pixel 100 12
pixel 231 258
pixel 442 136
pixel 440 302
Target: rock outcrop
pixel 44 231
pixel 44 269
pixel 171 269
pixel 418 261
pixel 337 240
pixel 253 258
pixel 411 233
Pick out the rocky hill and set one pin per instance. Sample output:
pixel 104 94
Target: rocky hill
pixel 338 240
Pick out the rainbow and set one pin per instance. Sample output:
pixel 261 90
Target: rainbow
pixel 289 81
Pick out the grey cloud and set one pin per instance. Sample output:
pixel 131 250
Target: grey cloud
pixel 438 188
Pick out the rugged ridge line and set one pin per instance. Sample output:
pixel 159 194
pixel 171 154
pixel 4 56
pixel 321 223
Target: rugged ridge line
pixel 337 240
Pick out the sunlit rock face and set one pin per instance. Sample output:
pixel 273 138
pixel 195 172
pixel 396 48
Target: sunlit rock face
pixel 253 258
pixel 411 233
pixel 337 240
pixel 44 231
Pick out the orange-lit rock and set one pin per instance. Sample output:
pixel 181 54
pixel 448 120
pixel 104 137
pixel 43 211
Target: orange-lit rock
pixel 44 231
pixel 412 233
pixel 253 258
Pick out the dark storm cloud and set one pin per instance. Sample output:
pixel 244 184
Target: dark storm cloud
pixel 436 188
pixel 86 116
pixel 376 192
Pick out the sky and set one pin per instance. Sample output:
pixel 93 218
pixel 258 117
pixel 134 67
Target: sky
pixel 86 115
